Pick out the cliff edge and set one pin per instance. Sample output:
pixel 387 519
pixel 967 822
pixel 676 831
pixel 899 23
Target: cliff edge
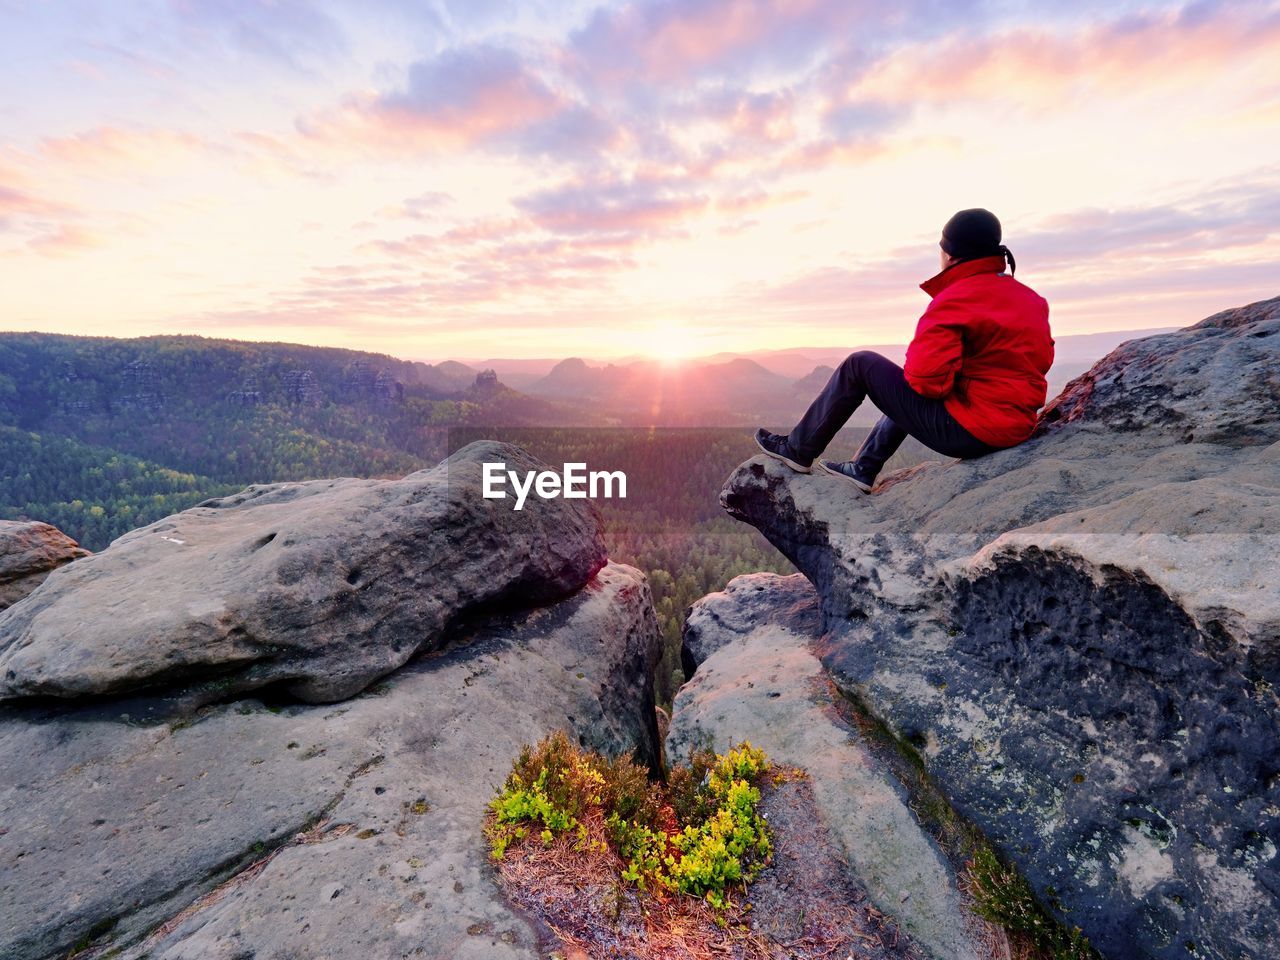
pixel 1081 636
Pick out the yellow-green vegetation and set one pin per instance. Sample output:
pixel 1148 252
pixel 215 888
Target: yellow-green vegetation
pixel 700 835
pixel 731 842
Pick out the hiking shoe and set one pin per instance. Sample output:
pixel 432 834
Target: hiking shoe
pixel 776 446
pixel 847 471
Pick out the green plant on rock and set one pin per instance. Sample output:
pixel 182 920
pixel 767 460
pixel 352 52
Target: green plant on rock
pixel 1003 896
pixel 644 850
pixel 731 844
pixel 700 836
pixel 552 785
pixel 687 786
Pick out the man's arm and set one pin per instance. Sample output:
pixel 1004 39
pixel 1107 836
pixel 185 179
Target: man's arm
pixel 935 354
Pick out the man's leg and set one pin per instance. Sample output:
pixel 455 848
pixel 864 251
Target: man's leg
pixel 882 443
pixel 925 418
pixel 868 374
pixel 832 408
pixel 862 374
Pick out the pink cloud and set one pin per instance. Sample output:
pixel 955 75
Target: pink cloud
pixel 119 147
pixel 487 229
pixel 764 117
pixel 477 264
pixel 758 200
pixel 643 204
pixel 1034 66
pixel 15 202
pixel 424 278
pixel 90 71
pixel 454 101
pixel 1239 217
pixel 832 152
pixel 65 240
pixel 668 42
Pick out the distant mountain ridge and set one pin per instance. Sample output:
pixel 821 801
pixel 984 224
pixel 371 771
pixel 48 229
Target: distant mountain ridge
pixel 735 391
pixel 46 376
pixel 225 411
pixel 769 386
pixel 112 368
pixel 795 362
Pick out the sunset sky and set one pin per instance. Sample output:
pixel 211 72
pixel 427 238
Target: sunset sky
pixel 481 178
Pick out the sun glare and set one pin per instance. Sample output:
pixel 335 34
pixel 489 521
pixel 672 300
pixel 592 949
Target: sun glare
pixel 670 343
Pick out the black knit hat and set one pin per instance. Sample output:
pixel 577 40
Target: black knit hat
pixel 975 233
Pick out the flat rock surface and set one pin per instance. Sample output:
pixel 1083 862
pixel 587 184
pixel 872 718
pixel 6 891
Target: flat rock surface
pixel 29 552
pixel 765 685
pixel 1081 634
pixel 808 900
pixel 321 587
pixel 291 830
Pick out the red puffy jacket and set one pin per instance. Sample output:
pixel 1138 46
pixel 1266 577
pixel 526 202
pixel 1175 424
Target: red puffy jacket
pixel 983 346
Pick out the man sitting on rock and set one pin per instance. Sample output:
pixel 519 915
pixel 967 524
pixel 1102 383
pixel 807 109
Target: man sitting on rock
pixel 974 376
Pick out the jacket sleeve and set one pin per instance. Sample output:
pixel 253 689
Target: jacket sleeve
pixel 935 354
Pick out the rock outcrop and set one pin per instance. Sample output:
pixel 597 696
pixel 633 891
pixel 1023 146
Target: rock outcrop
pixel 302 387
pixel 140 387
pixel 29 552
pixel 321 587
pixel 363 382
pixel 167 826
pixel 1081 635
pixel 283 829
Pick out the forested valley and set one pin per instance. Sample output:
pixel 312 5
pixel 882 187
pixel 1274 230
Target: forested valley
pixel 99 436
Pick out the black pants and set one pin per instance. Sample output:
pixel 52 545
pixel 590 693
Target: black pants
pixel 867 374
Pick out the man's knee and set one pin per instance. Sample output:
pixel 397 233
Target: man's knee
pixel 861 360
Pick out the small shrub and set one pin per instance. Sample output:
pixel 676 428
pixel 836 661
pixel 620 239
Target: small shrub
pixel 687 787
pixel 732 843
pixel 628 792
pixel 700 836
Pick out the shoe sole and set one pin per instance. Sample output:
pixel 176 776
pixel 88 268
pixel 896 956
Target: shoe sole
pixel 857 484
pixel 777 456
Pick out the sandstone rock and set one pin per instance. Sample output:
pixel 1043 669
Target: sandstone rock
pixel 747 603
pixel 140 387
pixel 302 387
pixel 758 679
pixel 367 813
pixel 321 587
pixel 1081 634
pixel 29 552
pixel 1214 382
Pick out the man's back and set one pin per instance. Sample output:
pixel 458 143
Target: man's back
pixel 983 346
